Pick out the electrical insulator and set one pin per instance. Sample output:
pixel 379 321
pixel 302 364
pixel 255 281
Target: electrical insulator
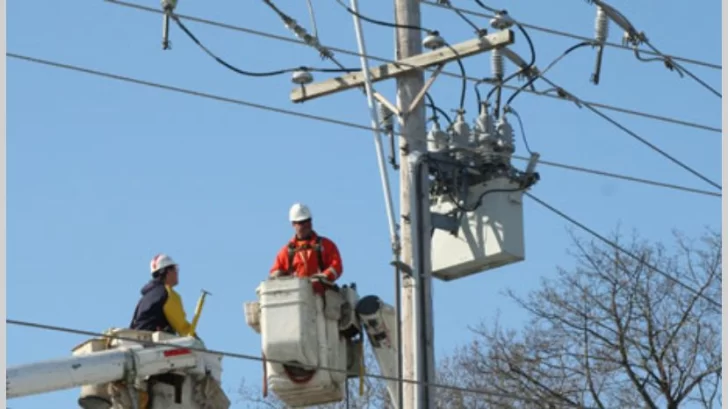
pixel 301 77
pixel 501 20
pixel 601 31
pixel 436 138
pixel 505 142
pixel 460 134
pixel 433 41
pixel 386 116
pixel 482 129
pixel 601 26
pixel 496 63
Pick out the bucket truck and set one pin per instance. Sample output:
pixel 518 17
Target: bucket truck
pixel 312 344
pixel 129 369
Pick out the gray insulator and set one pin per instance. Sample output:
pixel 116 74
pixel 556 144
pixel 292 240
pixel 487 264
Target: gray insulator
pixel 436 139
pixel 433 42
pixel 601 25
pixel 501 21
pixel 460 133
pixel 506 138
pixel 496 63
pixel 386 116
pixel 301 77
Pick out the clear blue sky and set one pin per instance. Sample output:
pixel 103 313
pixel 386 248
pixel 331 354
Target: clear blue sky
pixel 103 174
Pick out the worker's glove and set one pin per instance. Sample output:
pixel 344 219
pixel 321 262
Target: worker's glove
pixel 278 274
pixel 320 282
pixel 321 277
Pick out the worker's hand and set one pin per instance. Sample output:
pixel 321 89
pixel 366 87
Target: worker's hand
pixel 318 287
pixel 321 277
pixel 320 282
pixel 277 274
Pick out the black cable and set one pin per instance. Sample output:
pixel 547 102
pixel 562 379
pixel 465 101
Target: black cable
pixel 276 37
pixel 478 31
pixel 634 135
pixel 669 61
pixel 618 247
pixel 382 23
pixel 509 109
pixel 250 73
pixel 431 104
pixel 535 77
pixel 464 86
pixel 330 120
pixel 527 69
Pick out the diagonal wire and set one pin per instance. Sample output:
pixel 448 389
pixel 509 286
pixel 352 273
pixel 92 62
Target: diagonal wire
pixel 634 135
pixel 389 60
pixel 620 248
pixel 579 37
pixel 252 357
pixel 333 121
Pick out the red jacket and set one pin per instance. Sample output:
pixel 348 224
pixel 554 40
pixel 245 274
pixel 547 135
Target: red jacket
pixel 306 260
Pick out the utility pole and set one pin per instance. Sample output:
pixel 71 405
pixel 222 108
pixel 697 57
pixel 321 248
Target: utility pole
pixel 413 139
pixel 415 258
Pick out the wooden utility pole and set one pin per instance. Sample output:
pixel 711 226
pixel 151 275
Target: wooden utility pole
pixel 414 138
pixel 415 256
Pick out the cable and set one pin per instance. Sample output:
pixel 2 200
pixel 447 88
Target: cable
pixel 509 110
pixel 622 177
pixel 551 65
pixel 618 247
pixel 383 23
pixel 389 60
pixel 635 38
pixel 576 36
pixel 436 109
pixel 478 31
pixel 416 28
pixel 249 73
pixel 313 18
pixel 303 35
pixel 251 357
pixel 634 135
pixel 326 119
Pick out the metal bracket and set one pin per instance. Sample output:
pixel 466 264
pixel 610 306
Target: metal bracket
pixel 403 267
pixel 449 223
pixel 418 98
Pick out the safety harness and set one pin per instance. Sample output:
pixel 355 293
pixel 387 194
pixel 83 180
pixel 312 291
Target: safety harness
pixel 292 249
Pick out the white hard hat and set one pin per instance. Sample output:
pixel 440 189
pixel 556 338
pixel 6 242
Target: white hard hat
pixel 299 212
pixel 160 261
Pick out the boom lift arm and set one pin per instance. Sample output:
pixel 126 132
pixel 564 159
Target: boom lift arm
pixel 130 369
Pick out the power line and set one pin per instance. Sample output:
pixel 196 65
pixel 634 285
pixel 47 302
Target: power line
pixel 251 357
pixel 386 60
pixel 620 248
pixel 333 121
pixel 578 37
pixel 631 133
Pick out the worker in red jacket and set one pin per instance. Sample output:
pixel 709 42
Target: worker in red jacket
pixel 308 255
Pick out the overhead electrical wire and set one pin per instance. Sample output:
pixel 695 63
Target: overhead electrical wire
pixel 251 357
pixel 389 60
pixel 635 37
pixel 545 70
pixel 328 120
pixel 567 95
pixel 576 36
pixel 620 248
pixel 463 74
pixel 633 134
pixel 251 73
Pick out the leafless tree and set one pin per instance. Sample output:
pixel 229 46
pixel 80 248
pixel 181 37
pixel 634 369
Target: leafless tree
pixel 613 331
